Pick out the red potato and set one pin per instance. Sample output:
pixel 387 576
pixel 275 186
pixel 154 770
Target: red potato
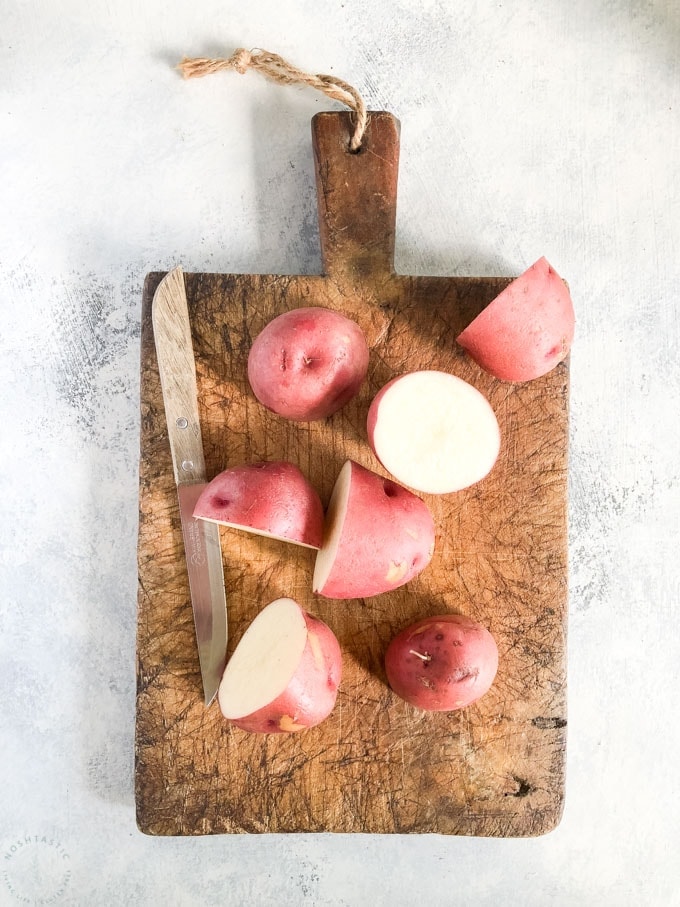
pixel 307 363
pixel 272 499
pixel 284 673
pixel 442 663
pixel 377 537
pixel 433 432
pixel 527 329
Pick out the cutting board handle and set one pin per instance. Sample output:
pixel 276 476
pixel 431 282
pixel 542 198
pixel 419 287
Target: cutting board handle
pixel 357 194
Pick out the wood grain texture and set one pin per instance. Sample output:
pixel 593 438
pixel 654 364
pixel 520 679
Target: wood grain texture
pixel 175 358
pixel 376 764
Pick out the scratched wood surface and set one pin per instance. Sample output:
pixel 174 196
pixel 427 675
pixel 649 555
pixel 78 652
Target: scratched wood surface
pixel 376 764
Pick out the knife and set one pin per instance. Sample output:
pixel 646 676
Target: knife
pixel 175 354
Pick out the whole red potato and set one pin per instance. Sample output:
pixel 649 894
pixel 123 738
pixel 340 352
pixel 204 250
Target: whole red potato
pixel 307 363
pixel 442 663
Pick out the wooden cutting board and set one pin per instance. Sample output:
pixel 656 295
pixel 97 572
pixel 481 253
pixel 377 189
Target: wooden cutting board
pixel 376 764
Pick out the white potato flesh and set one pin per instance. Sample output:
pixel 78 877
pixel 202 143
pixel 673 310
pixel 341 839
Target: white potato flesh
pixel 434 432
pixel 260 532
pixel 264 660
pixel 335 520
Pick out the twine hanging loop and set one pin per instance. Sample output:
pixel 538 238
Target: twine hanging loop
pixel 274 67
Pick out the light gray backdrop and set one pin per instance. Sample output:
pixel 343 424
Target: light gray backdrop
pixel 529 128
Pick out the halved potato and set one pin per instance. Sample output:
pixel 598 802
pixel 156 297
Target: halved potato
pixel 526 330
pixel 377 537
pixel 284 673
pixel 433 431
pixel 272 499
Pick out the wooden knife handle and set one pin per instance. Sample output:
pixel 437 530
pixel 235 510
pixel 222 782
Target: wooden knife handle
pixel 175 353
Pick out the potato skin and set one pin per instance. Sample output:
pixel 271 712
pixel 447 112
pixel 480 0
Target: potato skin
pixel 454 664
pixel 310 696
pixel 387 539
pixel 273 497
pixel 307 363
pixel 526 330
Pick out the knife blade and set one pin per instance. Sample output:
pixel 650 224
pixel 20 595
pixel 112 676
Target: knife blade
pixel 177 369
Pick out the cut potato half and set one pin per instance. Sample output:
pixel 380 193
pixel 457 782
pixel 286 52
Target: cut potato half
pixel 377 536
pixel 265 659
pixel 433 431
pixel 526 330
pixel 273 499
pixel 284 673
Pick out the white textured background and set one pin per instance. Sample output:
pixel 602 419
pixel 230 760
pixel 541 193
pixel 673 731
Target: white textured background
pixel 533 127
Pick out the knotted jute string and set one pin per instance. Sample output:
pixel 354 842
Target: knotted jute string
pixel 279 70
